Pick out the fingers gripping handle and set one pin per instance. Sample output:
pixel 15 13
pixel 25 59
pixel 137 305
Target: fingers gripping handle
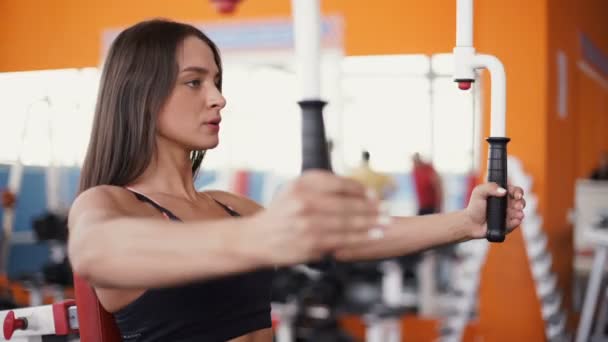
pixel 496 209
pixel 315 154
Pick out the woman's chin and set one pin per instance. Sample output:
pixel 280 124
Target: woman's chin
pixel 208 145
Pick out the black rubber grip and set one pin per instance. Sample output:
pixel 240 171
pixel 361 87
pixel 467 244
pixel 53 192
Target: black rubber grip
pixel 315 154
pixel 496 209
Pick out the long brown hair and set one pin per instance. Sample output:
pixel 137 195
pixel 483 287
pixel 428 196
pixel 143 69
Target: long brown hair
pixel 138 76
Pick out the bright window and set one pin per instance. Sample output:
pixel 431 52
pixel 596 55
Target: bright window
pixel 391 106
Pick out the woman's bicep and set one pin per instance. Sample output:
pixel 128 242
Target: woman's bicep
pixel 89 214
pixel 89 232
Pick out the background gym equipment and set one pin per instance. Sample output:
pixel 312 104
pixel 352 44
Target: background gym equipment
pixel 591 210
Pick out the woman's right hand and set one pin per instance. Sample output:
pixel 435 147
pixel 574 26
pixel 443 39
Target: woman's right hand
pixel 313 216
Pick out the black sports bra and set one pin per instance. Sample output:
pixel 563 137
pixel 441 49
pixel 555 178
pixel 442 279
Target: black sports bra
pixel 213 310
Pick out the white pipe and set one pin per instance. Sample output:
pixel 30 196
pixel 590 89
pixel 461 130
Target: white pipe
pixel 392 283
pixel 498 81
pixel 286 314
pixel 285 330
pixel 307 42
pixel 464 23
pixel 427 289
pixel 53 201
pixel 593 289
pixel 15 174
pixel 392 330
pixel 374 330
pixel 52 174
pixel 464 50
pixel 466 61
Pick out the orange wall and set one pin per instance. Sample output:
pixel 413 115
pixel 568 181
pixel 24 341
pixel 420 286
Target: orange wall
pixel 508 307
pixel 587 122
pixel 574 142
pixel 65 33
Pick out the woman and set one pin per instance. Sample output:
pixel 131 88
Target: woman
pixel 174 264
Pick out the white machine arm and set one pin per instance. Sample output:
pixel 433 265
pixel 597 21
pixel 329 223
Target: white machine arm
pixel 466 61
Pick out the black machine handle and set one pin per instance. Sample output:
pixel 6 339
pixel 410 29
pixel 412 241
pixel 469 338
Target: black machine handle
pixel 496 209
pixel 315 154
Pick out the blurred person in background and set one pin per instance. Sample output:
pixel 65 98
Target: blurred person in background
pixel 427 183
pixel 381 184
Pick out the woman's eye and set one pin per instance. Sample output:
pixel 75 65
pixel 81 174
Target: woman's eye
pixel 194 83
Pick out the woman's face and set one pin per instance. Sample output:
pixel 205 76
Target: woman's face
pixel 190 118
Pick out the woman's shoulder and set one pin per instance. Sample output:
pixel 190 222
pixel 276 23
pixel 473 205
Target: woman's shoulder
pixel 103 193
pixel 241 204
pixel 105 197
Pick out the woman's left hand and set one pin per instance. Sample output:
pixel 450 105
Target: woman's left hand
pixel 476 210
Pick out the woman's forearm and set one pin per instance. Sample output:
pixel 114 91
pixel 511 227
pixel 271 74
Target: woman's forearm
pixel 405 235
pixel 145 253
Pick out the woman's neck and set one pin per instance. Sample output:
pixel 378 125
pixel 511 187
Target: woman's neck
pixel 168 173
